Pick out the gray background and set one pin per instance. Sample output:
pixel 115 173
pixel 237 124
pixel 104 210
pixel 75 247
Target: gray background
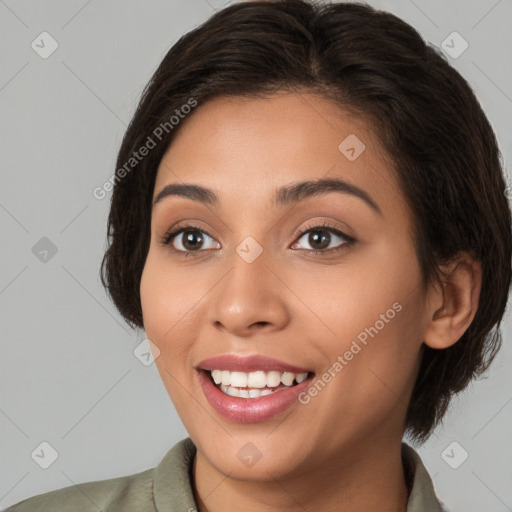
pixel 68 373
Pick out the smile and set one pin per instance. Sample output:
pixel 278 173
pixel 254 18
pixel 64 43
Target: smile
pixel 251 388
pixel 255 384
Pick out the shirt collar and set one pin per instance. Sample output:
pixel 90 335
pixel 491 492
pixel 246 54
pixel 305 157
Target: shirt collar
pixel 422 497
pixel 172 480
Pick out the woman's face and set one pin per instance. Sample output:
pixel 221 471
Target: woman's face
pixel 247 284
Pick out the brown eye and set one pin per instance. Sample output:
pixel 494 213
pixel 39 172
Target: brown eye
pixel 192 240
pixel 320 239
pixel 188 239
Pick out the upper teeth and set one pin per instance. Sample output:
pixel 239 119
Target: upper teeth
pixel 257 379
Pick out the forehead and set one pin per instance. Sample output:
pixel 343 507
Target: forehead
pixel 245 146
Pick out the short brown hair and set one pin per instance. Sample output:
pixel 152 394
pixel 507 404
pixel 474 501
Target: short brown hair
pixel 425 114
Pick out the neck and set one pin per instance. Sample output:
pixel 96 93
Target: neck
pixel 368 478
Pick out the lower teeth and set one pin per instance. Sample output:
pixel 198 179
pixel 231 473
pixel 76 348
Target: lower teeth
pixel 248 392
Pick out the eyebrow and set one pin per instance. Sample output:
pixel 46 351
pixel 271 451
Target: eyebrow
pixel 283 195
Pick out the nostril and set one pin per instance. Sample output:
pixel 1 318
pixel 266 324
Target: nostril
pixel 260 323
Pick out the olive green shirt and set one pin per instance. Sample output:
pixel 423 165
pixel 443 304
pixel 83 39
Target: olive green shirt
pixel 168 488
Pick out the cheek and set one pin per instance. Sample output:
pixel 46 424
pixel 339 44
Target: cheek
pixel 168 297
pixel 167 302
pixel 375 317
pixel 371 369
pixel 367 288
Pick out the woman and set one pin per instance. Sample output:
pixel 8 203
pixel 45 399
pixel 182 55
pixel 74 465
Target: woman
pixel 309 221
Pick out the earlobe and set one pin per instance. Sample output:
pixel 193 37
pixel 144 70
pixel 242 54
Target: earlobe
pixel 459 302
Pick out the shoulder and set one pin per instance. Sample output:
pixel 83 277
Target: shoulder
pixel 166 485
pixel 132 492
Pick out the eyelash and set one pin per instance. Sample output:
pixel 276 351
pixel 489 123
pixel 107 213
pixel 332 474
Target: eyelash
pixel 169 236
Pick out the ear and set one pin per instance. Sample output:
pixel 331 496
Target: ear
pixel 455 306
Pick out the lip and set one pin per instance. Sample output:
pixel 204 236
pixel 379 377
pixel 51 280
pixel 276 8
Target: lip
pixel 252 363
pixel 250 410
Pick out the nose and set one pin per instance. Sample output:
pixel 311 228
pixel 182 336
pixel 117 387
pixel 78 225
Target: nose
pixel 250 299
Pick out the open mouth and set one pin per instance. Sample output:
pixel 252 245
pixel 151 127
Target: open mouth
pixel 256 383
